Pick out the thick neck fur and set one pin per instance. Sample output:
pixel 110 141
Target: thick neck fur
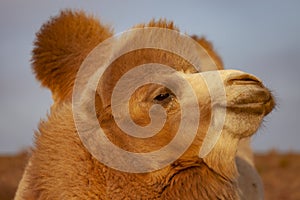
pixel 200 182
pixel 193 183
pixel 222 157
pixel 69 170
pixel 181 183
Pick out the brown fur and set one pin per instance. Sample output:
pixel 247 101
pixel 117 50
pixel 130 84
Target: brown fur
pixel 62 168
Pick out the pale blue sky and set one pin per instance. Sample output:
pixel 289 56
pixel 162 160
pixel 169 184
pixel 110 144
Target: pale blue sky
pixel 259 37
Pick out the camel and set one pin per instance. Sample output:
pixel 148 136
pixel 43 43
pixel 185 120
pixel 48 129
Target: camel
pixel 61 167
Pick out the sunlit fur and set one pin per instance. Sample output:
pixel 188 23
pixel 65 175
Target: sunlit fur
pixel 60 166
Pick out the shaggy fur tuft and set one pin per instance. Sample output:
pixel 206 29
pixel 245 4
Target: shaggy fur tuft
pixel 60 47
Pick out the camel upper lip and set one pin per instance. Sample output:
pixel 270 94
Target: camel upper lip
pixel 250 95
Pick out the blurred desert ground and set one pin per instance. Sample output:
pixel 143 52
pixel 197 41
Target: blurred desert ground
pixel 280 174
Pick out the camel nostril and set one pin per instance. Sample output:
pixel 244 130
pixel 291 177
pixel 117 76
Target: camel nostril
pixel 244 79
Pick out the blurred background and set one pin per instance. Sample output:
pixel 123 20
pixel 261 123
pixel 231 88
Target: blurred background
pixel 259 37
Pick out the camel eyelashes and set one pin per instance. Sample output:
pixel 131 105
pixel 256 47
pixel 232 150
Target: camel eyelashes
pixel 162 96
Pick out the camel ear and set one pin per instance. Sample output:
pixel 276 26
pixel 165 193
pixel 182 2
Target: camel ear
pixel 60 47
pixel 210 50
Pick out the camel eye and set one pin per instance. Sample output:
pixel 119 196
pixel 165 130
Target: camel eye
pixel 162 97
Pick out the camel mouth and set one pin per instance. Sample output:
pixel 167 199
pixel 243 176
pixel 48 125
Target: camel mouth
pixel 258 101
pixel 246 93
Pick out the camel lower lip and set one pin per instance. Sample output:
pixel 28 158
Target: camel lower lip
pixel 257 107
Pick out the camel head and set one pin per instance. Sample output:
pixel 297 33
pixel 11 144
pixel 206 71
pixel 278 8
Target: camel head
pixel 171 124
pixel 234 98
